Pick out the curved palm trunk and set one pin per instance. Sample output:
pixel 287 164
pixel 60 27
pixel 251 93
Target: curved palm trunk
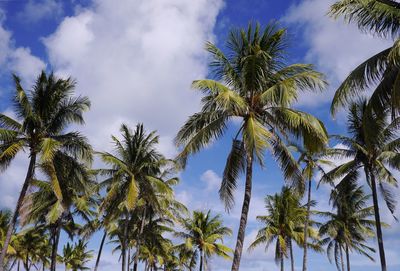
pixel 291 255
pixel 56 239
pixel 135 265
pixel 13 222
pixel 378 223
pixel 100 250
pixel 347 258
pixel 245 210
pixel 306 226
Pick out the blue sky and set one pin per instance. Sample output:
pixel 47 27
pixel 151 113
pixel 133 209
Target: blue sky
pixel 136 59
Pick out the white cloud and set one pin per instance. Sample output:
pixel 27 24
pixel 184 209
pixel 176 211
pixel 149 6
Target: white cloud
pixel 11 181
pixel 17 59
pixel 136 61
pixel 335 47
pixel 212 180
pixel 36 10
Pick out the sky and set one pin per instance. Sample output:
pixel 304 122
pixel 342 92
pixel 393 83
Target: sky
pixel 136 60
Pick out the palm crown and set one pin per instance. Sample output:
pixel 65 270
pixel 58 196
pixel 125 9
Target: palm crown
pixel 381 17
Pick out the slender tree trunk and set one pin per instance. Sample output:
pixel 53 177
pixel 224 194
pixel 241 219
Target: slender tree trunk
pixel 347 257
pixel 282 263
pixel 100 250
pixel 13 222
pixel 291 254
pixel 129 259
pixel 135 264
pixel 18 265
pixel 26 263
pixel 341 257
pixel 56 239
pixel 245 210
pixel 306 226
pixel 378 222
pixel 123 245
pixel 201 260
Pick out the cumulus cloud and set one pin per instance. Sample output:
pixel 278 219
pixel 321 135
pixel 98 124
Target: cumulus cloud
pixel 37 10
pixel 17 59
pixel 136 61
pixel 212 180
pixel 334 47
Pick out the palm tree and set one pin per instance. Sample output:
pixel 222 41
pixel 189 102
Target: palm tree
pixel 5 217
pixel 133 181
pixel 44 112
pixel 76 256
pixel 373 148
pixel 349 227
pixel 56 208
pixel 204 234
pixel 312 162
pixel 284 223
pixel 254 84
pixel 31 246
pixel 379 17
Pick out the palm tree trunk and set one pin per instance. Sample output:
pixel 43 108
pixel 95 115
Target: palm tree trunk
pixel 282 263
pixel 306 226
pixel 347 257
pixel 341 257
pixel 245 210
pixel 56 239
pixel 100 250
pixel 27 263
pixel 18 265
pixel 124 244
pixel 201 260
pixel 291 254
pixel 135 265
pixel 129 259
pixel 378 223
pixel 13 222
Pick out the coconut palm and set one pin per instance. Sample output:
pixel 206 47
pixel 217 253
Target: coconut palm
pixel 32 247
pixel 372 148
pixel 253 84
pixel 349 227
pixel 381 17
pixel 204 234
pixel 312 163
pixel 56 208
pixel 284 223
pixel 134 179
pixel 5 217
pixel 42 116
pixel 76 256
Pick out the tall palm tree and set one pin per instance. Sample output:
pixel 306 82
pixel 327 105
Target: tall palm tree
pixel 43 114
pixel 284 223
pixel 133 179
pixel 373 148
pixel 349 227
pixel 312 162
pixel 379 17
pixel 204 234
pixel 254 84
pixel 57 208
